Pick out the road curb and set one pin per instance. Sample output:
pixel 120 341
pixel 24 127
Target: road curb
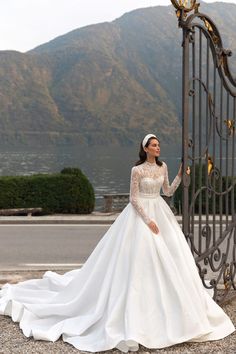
pixel 56 222
pixel 60 219
pixel 90 219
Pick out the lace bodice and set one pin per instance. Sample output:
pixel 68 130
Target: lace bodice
pixel 147 180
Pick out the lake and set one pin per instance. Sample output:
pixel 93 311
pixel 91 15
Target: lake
pixel 108 168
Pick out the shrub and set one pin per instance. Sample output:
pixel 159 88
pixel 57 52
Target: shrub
pixel 67 192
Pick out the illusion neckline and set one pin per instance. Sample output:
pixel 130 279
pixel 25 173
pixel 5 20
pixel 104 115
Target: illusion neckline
pixel 150 163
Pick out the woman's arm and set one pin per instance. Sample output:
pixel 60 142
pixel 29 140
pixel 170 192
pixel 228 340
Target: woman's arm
pixel 134 192
pixel 168 189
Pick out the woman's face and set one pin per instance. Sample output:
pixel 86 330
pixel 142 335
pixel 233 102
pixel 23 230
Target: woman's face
pixel 153 149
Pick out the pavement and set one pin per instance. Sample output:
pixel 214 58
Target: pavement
pixel 12 341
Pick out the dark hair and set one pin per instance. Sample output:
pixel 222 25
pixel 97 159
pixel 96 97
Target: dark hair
pixel 143 154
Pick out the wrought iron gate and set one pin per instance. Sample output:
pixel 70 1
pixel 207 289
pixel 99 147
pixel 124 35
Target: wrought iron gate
pixel 209 178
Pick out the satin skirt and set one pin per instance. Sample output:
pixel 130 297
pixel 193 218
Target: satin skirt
pixel 135 288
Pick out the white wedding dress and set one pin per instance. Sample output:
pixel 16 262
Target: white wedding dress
pixel 135 287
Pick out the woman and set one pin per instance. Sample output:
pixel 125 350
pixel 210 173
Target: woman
pixel 139 285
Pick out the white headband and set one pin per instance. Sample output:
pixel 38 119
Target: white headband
pixel 145 140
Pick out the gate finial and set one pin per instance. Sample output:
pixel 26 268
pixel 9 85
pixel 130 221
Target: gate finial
pixel 185 6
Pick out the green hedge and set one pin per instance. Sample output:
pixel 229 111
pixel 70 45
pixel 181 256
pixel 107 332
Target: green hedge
pixel 67 192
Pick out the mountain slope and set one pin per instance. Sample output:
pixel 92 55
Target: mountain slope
pixel 103 84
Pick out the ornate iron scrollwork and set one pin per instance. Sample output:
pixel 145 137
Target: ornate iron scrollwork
pixel 230 123
pixel 211 31
pixel 215 260
pixel 221 54
pixel 186 5
pixel 183 7
pixel 209 142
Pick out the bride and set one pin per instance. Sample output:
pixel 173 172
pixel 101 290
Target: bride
pixel 140 285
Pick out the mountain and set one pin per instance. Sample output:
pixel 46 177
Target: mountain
pixel 104 84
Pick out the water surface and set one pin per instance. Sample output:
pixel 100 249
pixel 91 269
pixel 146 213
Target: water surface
pixel 108 168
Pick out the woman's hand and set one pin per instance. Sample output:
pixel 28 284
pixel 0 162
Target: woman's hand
pixel 153 226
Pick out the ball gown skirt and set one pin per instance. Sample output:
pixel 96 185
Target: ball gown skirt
pixel 135 287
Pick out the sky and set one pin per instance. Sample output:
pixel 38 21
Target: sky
pixel 25 24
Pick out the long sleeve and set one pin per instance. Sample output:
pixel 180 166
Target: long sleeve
pixel 168 189
pixel 134 192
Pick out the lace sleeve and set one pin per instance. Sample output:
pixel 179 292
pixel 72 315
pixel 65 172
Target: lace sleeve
pixel 168 189
pixel 134 192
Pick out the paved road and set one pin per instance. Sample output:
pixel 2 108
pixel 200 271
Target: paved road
pixel 54 246
pixel 29 246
